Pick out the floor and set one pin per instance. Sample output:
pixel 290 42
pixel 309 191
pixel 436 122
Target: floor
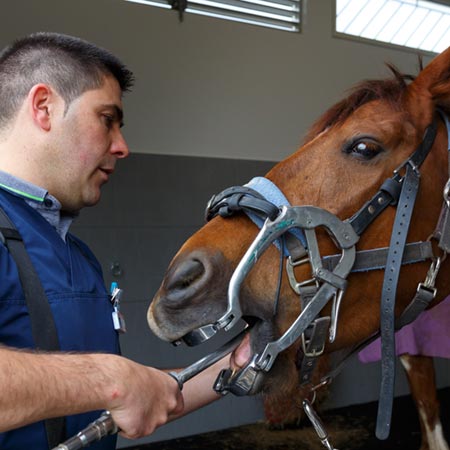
pixel 350 428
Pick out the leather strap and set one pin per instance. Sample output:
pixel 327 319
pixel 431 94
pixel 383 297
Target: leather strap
pixel 387 195
pixel 387 328
pixel 43 327
pixel 442 231
pixel 390 189
pixel 313 340
pixel 237 199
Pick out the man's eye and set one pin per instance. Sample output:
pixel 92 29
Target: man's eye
pixel 363 149
pixel 108 120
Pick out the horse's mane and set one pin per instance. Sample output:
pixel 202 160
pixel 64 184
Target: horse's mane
pixel 390 89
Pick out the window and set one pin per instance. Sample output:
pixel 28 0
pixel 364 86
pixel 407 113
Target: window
pixel 279 14
pixel 417 24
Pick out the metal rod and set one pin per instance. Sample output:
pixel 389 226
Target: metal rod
pixel 95 431
pixel 199 366
pixel 105 425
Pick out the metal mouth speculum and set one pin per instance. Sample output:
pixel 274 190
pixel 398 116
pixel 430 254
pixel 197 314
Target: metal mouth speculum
pixel 331 282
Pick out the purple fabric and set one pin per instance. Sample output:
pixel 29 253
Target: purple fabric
pixel 428 335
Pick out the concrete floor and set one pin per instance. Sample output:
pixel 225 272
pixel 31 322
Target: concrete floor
pixel 350 428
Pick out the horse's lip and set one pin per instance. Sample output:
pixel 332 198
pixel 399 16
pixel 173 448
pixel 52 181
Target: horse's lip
pixel 254 342
pixel 242 354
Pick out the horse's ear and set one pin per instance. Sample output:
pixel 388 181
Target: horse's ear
pixel 433 83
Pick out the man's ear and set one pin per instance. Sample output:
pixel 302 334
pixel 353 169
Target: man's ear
pixel 42 105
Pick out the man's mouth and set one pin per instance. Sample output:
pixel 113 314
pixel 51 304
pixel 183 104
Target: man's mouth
pixel 106 171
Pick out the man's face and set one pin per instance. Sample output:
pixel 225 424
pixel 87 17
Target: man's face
pixel 88 143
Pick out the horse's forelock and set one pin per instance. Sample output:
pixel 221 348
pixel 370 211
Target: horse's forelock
pixel 390 90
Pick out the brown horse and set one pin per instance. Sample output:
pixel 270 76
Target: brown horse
pixel 223 273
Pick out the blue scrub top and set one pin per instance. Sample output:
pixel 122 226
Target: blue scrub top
pixel 73 283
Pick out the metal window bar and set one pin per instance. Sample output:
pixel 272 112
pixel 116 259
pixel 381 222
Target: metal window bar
pixel 416 24
pixel 278 14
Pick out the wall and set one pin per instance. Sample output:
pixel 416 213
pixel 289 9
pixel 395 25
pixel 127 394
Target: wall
pixel 208 87
pixel 215 103
pixel 152 204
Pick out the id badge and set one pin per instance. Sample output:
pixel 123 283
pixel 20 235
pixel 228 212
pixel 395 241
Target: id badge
pixel 117 317
pixel 119 321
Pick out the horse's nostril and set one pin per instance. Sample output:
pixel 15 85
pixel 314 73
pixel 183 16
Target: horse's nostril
pixel 185 274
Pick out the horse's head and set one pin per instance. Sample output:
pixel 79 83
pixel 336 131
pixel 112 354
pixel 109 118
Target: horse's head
pixel 347 155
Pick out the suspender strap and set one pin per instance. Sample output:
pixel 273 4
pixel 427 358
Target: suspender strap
pixel 43 326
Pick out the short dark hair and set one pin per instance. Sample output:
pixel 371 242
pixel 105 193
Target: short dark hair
pixel 69 64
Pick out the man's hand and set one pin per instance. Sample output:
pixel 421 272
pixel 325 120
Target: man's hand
pixel 142 399
pixel 139 398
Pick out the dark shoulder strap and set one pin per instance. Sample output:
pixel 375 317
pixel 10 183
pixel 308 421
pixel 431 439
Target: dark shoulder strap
pixel 42 323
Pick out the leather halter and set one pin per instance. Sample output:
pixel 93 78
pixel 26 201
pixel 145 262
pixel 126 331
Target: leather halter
pixel 400 189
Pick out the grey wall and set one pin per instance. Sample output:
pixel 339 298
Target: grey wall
pixel 214 102
pixel 152 204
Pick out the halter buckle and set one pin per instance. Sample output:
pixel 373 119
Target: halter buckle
pixel 432 274
pixel 447 193
pixel 408 162
pixel 295 285
pixel 314 346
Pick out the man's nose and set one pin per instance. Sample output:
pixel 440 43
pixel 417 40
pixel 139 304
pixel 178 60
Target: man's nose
pixel 119 146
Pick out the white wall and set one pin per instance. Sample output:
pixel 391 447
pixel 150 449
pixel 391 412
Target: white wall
pixel 209 87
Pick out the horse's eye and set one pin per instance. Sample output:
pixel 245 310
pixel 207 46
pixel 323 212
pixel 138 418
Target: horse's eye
pixel 363 149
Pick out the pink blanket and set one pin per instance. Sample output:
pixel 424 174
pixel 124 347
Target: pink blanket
pixel 428 335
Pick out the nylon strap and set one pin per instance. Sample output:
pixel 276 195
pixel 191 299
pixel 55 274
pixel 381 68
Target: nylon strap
pixel 375 259
pixel 239 198
pixel 419 303
pixel 390 282
pixel 43 327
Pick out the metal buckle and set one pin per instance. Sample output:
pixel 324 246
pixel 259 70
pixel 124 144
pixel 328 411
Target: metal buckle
pixel 290 264
pixel 447 193
pixel 432 273
pixel 315 352
pixel 410 163
pixel 317 333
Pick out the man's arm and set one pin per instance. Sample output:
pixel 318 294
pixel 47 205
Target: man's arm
pixel 199 391
pixel 44 385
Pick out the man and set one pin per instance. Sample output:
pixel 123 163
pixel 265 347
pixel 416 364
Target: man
pixel 60 139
